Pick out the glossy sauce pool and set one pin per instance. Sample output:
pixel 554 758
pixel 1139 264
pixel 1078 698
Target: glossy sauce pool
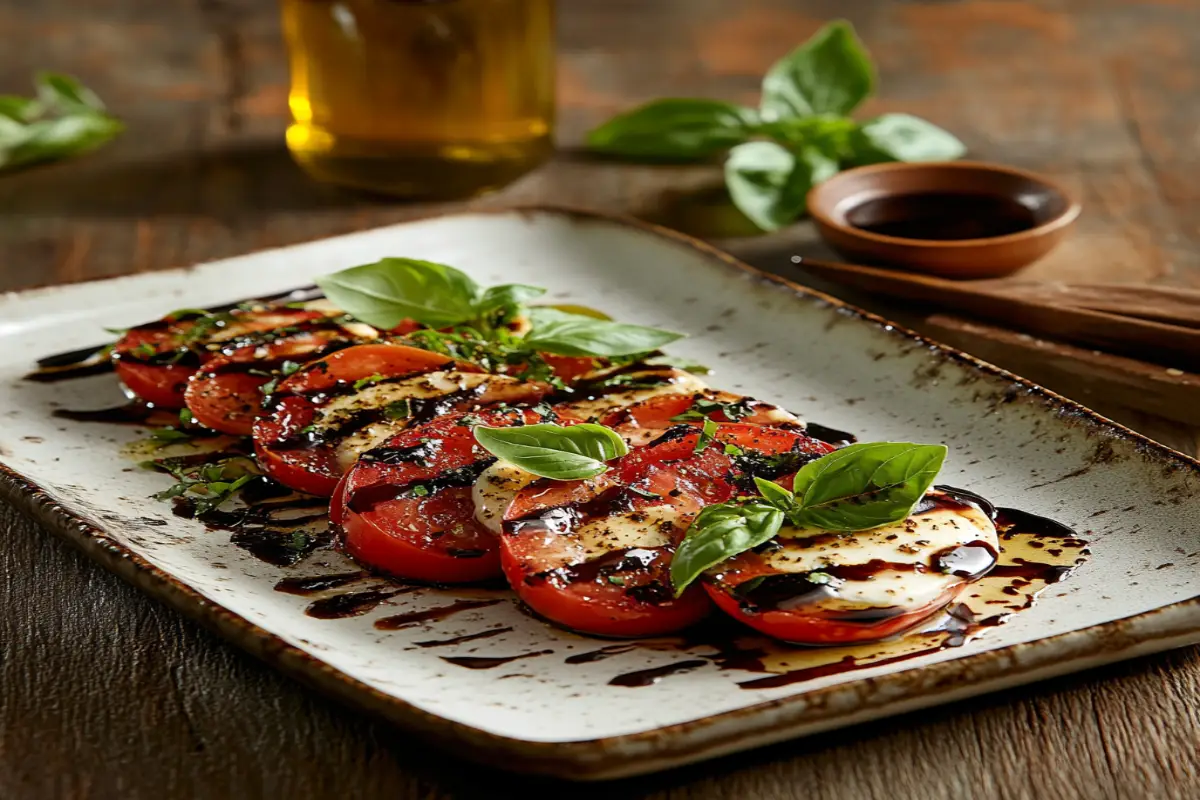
pixel 942 216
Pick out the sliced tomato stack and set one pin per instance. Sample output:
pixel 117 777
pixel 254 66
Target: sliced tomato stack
pixel 595 555
pixel 323 416
pixel 155 361
pixel 225 394
pixel 406 508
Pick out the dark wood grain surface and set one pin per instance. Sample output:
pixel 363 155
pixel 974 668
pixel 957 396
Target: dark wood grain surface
pixel 105 693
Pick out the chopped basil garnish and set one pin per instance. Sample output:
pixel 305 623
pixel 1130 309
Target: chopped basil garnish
pixel 702 408
pixel 707 432
pixel 212 484
pixel 370 380
pixel 398 409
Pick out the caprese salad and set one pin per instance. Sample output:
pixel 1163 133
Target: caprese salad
pixel 464 434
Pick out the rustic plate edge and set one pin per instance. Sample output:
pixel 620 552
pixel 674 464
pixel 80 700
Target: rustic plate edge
pixel 1173 625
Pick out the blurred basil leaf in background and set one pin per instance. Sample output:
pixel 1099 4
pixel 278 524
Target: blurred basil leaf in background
pixel 674 129
pixel 902 137
pixel 831 73
pixel 65 119
pixel 769 182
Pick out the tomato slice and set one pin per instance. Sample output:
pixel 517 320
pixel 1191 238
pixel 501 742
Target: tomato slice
pixel 595 555
pixel 817 627
pixel 225 394
pixel 602 397
pixel 320 418
pixel 154 361
pixel 648 418
pixel 571 368
pixel 406 508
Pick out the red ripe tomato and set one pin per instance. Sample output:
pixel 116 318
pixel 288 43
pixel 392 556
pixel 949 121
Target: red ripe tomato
pixel 595 555
pixel 805 624
pixel 154 361
pixel 322 415
pixel 659 412
pixel 570 368
pixel 406 507
pixel 225 394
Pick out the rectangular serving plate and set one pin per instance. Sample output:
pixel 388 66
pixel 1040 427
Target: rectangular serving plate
pixel 1016 443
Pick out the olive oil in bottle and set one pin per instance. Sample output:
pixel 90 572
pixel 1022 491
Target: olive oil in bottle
pixel 420 98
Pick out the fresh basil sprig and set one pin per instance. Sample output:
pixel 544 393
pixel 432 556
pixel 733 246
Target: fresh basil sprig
pixel 856 488
pixel 391 290
pixel 560 333
pixel 563 453
pixel 65 119
pixel 800 135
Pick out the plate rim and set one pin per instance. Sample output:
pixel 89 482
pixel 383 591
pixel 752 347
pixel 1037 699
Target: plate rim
pixel 623 755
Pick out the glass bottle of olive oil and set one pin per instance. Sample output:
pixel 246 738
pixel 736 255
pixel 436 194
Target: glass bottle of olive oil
pixel 420 98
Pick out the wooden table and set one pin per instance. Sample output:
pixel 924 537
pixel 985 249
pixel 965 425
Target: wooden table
pixel 105 693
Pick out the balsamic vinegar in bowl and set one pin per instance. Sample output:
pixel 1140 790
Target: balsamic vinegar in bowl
pixel 942 216
pixel 954 219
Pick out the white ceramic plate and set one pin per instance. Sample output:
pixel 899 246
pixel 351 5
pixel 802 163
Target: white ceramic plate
pixel 1009 440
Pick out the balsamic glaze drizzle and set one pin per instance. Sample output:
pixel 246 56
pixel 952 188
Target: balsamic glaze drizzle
pixel 270 528
pixel 94 361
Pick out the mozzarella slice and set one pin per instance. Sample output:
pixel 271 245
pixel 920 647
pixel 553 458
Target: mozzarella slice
pixel 566 542
pixel 497 485
pixel 915 541
pixel 674 381
pixel 494 491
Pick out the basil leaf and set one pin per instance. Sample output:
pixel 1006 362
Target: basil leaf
pixel 564 334
pixel 66 94
pixel 827 133
pixel 19 109
pixel 54 139
pixel 721 532
pixel 554 451
pixel 708 430
pixel 769 183
pixel 398 409
pixel 65 119
pixel 865 485
pixel 674 128
pixel 776 495
pixel 391 290
pixel 902 137
pixel 831 73
pixel 507 296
